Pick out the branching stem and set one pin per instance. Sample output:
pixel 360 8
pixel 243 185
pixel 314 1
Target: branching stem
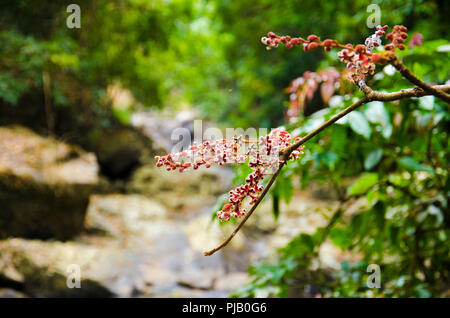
pixel 370 95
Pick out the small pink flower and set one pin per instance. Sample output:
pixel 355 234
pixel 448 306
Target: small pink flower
pixel 416 40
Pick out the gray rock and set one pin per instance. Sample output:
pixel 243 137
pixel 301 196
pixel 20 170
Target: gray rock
pixel 232 281
pixel 42 269
pixel 11 293
pixel 44 185
pixel 181 192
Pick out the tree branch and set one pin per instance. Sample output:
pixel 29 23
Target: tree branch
pixel 404 93
pixel 370 95
pixel 416 81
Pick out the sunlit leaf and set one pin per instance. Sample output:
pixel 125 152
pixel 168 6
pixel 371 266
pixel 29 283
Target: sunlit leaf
pixel 340 237
pixel 364 183
pixel 373 158
pixel 427 102
pixel 410 163
pixel 359 124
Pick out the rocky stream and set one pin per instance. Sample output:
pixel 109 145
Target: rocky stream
pixel 138 237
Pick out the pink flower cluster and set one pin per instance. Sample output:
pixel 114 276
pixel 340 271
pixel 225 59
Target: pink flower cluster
pixel 303 88
pixel 396 37
pixel 278 139
pixel 374 40
pixel 272 41
pixel 416 40
pixel 359 59
pixel 251 189
pixel 262 155
pixel 207 153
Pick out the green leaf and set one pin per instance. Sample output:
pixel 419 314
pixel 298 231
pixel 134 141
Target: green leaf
pixel 340 237
pixel 338 138
pixel 359 124
pixel 410 163
pixel 330 159
pixel 221 200
pixel 286 188
pixel 393 233
pixel 426 102
pixel 399 179
pixel 275 204
pixel 364 183
pixel 387 131
pixel 376 113
pixel 277 274
pixel 373 158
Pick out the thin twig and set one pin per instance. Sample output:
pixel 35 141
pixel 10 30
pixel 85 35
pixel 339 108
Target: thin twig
pixel 404 93
pixel 287 152
pixel 370 96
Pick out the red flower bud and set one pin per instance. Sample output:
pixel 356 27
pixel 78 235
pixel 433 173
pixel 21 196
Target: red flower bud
pixel 311 46
pixel 226 207
pixel 360 48
pixel 375 58
pixel 328 42
pixel 313 38
pixel 294 41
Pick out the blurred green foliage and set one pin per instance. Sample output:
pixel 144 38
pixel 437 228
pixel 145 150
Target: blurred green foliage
pixel 207 54
pixel 202 53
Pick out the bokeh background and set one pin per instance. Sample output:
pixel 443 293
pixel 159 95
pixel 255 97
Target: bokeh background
pixel 84 111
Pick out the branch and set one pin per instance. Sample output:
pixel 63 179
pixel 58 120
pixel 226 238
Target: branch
pixel 370 95
pixel 404 93
pixel 416 81
pixel 284 157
